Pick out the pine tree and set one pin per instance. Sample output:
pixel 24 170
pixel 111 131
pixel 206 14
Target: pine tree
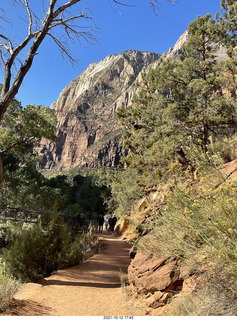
pixel 182 107
pixel 183 99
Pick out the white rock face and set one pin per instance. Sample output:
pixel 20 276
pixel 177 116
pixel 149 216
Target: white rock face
pixel 117 69
pixel 175 51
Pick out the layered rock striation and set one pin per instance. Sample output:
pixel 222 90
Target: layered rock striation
pixel 88 131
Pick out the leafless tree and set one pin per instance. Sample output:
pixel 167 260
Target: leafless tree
pixel 57 16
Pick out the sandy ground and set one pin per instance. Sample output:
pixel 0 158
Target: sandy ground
pixel 92 288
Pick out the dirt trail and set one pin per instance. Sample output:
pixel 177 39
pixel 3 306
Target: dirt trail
pixel 92 288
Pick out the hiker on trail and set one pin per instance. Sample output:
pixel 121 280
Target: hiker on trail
pixel 100 220
pixel 106 224
pixel 112 223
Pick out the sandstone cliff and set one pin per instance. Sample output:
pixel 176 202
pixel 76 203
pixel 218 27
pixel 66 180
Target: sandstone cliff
pixel 88 131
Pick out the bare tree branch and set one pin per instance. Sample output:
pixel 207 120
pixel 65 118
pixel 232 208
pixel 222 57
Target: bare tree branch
pixel 8 48
pixel 62 48
pixel 30 17
pixel 50 21
pixel 64 22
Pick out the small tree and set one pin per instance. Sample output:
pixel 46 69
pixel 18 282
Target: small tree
pixel 21 130
pixel 197 100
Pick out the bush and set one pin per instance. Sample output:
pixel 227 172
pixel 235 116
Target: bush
pixel 44 248
pixel 8 287
pixel 226 148
pixel 9 232
pixel 209 300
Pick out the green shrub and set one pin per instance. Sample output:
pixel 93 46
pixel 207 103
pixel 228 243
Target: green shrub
pixel 226 148
pixel 44 248
pixel 9 232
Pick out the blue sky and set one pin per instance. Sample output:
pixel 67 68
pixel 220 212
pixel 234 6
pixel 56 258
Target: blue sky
pixel 119 29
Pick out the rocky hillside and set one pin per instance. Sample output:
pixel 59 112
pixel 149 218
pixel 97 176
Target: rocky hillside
pixel 88 131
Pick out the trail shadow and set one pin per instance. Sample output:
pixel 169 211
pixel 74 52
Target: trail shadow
pixel 26 308
pixel 80 284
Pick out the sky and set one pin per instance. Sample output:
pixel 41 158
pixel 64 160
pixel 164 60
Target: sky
pixel 119 29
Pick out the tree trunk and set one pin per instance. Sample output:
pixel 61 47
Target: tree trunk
pixel 1 172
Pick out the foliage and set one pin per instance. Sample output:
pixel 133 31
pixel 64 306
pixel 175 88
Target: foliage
pixel 90 189
pixel 182 110
pixel 183 99
pixel 44 248
pixel 8 287
pixel 89 194
pixel 9 232
pixel 227 18
pixel 200 221
pixel 226 148
pixel 126 189
pixel 21 130
pixel 26 188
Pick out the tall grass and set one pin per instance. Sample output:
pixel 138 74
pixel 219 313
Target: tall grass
pixel 8 287
pixel 200 222
pixel 209 300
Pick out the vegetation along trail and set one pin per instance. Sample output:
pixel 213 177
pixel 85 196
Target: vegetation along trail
pixel 92 288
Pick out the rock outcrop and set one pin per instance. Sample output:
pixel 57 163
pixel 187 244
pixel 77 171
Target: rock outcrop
pixel 160 283
pixel 154 280
pixel 88 131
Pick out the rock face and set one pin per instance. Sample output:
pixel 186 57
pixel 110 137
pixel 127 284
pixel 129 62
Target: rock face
pixel 88 131
pixel 177 49
pixel 156 279
pixel 159 282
